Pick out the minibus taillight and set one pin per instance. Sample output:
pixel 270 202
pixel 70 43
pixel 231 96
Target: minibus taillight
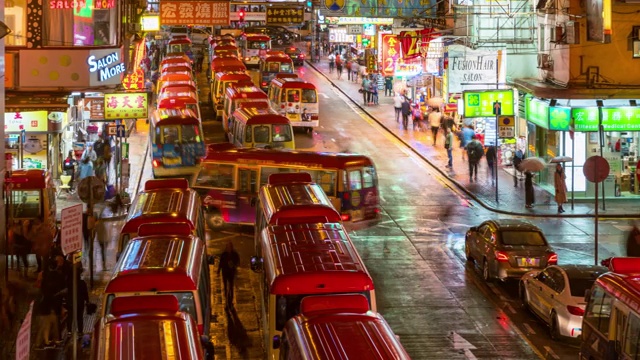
pixel 553 259
pixel 502 256
pixel 157 163
pixel 574 310
pixel 201 329
pixel 345 217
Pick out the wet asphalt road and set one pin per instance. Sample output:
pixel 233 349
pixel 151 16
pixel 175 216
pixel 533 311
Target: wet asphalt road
pixel 435 302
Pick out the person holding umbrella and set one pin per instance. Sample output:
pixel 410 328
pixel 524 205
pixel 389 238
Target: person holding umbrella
pixel 529 198
pixel 560 187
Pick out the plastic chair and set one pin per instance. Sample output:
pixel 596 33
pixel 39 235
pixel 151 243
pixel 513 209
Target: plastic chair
pixel 65 180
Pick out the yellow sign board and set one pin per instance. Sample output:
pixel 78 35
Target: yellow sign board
pixel 125 106
pixel 504 120
pixel 29 121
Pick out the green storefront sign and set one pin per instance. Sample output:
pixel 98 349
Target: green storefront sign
pixel 585 119
pixel 480 103
pixel 537 112
pixel 559 118
pixel 621 119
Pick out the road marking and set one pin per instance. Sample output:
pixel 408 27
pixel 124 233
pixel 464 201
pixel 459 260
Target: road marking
pixel 550 352
pixel 324 95
pixel 460 343
pixel 529 329
pixel 624 228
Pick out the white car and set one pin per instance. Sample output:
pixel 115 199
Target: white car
pixel 557 296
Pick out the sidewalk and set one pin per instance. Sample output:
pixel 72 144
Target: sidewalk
pixel 510 199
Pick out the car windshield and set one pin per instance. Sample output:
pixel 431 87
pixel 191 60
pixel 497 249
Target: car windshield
pixel 528 238
pixel 579 286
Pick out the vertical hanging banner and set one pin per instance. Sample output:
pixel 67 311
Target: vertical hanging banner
pixel 412 42
pixel 390 53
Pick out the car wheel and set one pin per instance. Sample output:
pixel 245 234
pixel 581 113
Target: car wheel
pixel 523 297
pixel 485 271
pixel 215 219
pixel 554 331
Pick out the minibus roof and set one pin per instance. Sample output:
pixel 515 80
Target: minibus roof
pixel 313 258
pixel 225 47
pixel 352 335
pixel 287 202
pixel 175 60
pixel 292 83
pixel 257 37
pixel 307 159
pixel 180 41
pixel 188 85
pixel 175 77
pixel 246 92
pixel 160 263
pixel 136 335
pixel 256 116
pixel 232 75
pixel 175 68
pixel 278 58
pixel 162 205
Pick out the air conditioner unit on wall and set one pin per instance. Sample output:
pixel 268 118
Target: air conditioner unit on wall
pixel 545 62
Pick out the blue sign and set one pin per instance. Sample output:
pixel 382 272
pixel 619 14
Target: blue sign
pixel 120 130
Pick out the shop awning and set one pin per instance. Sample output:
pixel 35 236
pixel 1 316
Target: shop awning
pixel 53 101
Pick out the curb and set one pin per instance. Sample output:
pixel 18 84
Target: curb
pixel 455 182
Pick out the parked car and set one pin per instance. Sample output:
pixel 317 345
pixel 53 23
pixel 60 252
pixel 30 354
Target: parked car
pixel 507 249
pixel 557 296
pixel 296 55
pixel 197 35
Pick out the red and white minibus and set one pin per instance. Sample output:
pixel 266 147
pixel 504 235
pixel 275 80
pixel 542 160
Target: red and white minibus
pixel 338 327
pixel 611 322
pixel 300 257
pixel 221 81
pixel 185 85
pixel 229 63
pixel 272 65
pixel 226 180
pixel 239 94
pixel 180 98
pixel 147 327
pixel 161 201
pixel 254 47
pixel 297 100
pixel 164 260
pixel 260 128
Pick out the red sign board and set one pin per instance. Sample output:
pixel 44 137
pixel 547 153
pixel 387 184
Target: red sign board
pixel 596 169
pixel 414 41
pixel 390 53
pixel 71 230
pixel 23 342
pixel 210 13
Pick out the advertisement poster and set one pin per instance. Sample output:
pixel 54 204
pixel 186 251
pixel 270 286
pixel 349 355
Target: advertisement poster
pixel 194 13
pixel 125 106
pixel 470 69
pixel 390 54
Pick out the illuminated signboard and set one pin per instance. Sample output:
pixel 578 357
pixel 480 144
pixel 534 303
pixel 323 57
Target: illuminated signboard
pixel 559 118
pixel 537 112
pixel 390 54
pixel 27 120
pixel 210 13
pixel 626 118
pixel 125 106
pixel 585 119
pixel 82 4
pixel 358 20
pixel 480 104
pixel 108 66
pixel 150 23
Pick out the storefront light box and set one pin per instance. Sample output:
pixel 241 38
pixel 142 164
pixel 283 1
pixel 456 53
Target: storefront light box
pixel 559 118
pixel 150 23
pixel 537 112
pixel 480 104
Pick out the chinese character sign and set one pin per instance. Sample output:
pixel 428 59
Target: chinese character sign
pixel 210 13
pixel 125 106
pixel 26 120
pixel 586 119
pixel 285 16
pixel 134 80
pixel 71 229
pixel 390 53
pixel 412 42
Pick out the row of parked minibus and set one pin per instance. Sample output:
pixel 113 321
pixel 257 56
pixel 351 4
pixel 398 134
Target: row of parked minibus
pixel 318 299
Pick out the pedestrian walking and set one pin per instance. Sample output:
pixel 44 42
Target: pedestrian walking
pixel 373 90
pixel 397 105
pixel 561 187
pixel 355 70
pixel 517 159
pixel 229 261
pixel 529 198
pixel 85 168
pixel 435 121
pixel 466 136
pixel 406 111
pixel 332 62
pixel 388 85
pixel 89 153
pixel 475 151
pixel 417 116
pixel 448 145
pixel 69 168
pixel 339 66
pixel 633 242
pixel 348 68
pixel 491 162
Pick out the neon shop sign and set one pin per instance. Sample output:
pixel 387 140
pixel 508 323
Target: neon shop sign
pixel 103 65
pixel 82 4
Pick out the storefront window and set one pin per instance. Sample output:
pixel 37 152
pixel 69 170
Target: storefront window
pixel 25 203
pixel 94 24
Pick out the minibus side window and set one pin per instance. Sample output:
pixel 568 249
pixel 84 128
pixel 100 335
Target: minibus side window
pixel 170 134
pixel 598 312
pixel 107 307
pixel 267 171
pixel 187 303
pixel 326 180
pixel 216 176
pixel 355 180
pixel 158 138
pixel 293 95
pixel 283 96
pixel 25 203
pixel 632 343
pixel 281 133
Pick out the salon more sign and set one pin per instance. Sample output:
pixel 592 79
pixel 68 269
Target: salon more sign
pixel 470 69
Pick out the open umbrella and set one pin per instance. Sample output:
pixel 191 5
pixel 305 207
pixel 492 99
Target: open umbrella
pixel 532 164
pixel 561 159
pixel 435 102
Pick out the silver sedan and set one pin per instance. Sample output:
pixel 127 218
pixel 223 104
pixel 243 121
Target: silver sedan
pixel 556 296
